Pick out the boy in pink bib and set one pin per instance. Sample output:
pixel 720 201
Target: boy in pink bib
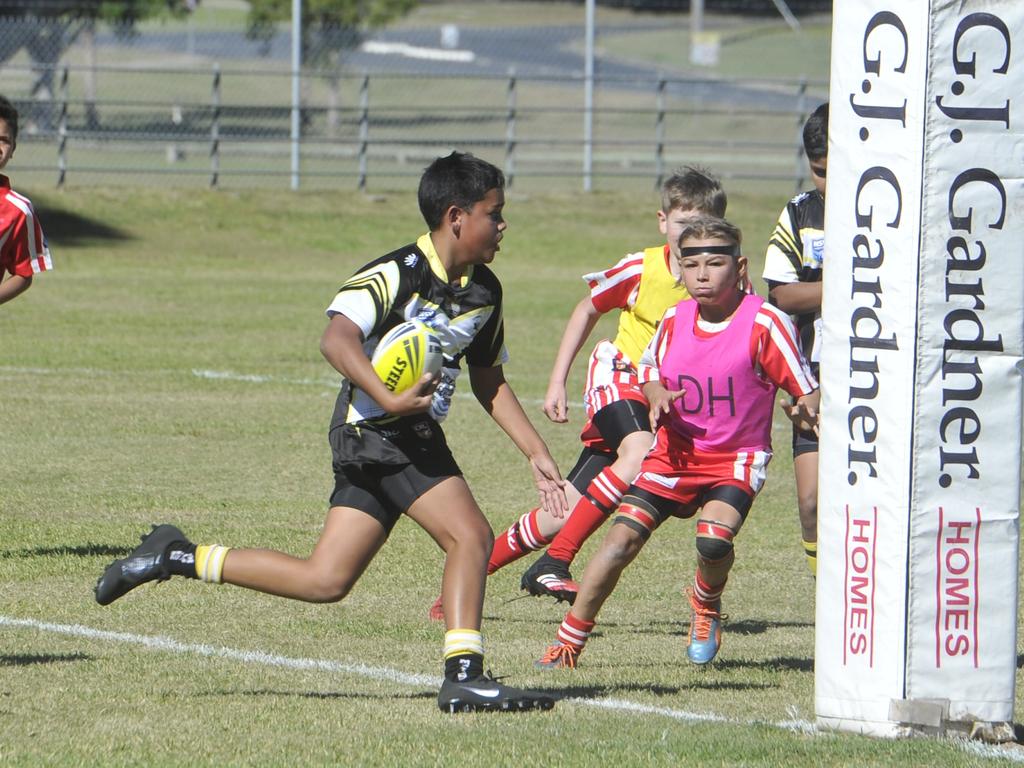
pixel 710 374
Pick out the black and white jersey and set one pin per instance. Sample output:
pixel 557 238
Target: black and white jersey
pixel 411 283
pixel 795 254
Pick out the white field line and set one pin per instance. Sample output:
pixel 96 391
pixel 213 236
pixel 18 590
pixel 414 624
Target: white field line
pixel 248 657
pixel 329 383
pixel 404 678
pixel 170 645
pixel 256 378
pixel 780 424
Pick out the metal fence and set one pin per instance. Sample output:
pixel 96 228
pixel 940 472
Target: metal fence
pixel 177 104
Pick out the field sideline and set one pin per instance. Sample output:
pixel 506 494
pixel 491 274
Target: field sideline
pixel 168 371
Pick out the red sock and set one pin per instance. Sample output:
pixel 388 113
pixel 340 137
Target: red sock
pixel 574 631
pixel 601 499
pixel 706 594
pixel 521 537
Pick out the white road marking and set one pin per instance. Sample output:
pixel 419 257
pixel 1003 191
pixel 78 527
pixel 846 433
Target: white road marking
pixel 417 52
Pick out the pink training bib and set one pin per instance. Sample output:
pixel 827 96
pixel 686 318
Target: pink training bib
pixel 727 406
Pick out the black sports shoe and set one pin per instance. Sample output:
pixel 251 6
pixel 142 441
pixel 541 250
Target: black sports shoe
pixel 550 576
pixel 486 694
pixel 147 562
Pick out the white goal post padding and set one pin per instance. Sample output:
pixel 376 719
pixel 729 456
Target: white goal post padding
pixel 921 366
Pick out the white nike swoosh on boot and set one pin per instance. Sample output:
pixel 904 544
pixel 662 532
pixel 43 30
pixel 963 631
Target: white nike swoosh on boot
pixel 480 692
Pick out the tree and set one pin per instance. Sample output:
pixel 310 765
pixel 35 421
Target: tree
pixel 329 29
pixel 47 28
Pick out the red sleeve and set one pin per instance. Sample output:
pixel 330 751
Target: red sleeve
pixel 614 288
pixel 649 367
pixel 23 248
pixel 775 350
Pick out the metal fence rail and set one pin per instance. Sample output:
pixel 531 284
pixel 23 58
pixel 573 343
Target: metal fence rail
pixel 152 114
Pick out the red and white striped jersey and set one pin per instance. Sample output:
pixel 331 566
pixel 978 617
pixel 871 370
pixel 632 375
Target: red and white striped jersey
pixel 23 248
pixel 774 351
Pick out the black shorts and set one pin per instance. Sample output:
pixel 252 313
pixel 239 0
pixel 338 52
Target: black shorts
pixel 588 466
pixel 806 441
pixel 381 469
pixel 618 420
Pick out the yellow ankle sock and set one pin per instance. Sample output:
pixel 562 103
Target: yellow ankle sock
pixel 210 562
pixel 811 550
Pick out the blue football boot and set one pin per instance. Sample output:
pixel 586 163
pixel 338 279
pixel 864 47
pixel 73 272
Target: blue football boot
pixel 705 630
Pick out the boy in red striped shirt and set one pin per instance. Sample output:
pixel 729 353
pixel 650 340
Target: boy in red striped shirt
pixel 23 249
pixel 710 373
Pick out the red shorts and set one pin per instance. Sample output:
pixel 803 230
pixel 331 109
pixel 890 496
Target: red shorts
pixel 673 470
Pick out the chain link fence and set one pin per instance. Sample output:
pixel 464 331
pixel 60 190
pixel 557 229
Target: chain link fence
pixel 195 101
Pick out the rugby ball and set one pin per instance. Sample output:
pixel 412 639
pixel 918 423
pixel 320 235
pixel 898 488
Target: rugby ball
pixel 405 353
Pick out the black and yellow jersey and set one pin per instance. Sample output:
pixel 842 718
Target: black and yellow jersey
pixel 411 283
pixel 795 254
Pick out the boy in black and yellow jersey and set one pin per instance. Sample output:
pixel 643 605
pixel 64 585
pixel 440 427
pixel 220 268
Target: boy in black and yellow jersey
pixel 390 456
pixel 793 272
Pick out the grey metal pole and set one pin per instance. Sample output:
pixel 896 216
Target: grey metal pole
pixel 510 129
pixel 296 88
pixel 62 129
pixel 588 100
pixel 215 128
pixel 659 136
pixel 364 129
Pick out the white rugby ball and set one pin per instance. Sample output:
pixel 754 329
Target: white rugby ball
pixel 405 353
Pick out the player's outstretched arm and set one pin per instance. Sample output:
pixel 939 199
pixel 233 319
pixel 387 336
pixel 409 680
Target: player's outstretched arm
pixel 804 412
pixel 496 396
pixel 342 346
pixel 13 286
pixel 577 330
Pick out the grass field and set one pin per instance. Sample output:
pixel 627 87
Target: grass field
pixel 168 370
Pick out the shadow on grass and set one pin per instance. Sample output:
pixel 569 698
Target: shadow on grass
pixel 25 659
pixel 780 664
pixel 326 695
pixel 66 228
pixel 760 626
pixel 678 626
pixel 80 550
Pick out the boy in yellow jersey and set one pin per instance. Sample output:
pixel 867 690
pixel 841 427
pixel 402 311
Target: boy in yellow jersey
pixel 618 432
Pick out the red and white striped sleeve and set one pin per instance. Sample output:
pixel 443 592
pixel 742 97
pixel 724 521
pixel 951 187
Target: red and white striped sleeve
pixel 775 349
pixel 649 367
pixel 615 288
pixel 23 248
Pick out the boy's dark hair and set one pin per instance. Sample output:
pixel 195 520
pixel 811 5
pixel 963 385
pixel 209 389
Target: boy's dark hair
pixel 694 189
pixel 711 227
pixel 816 133
pixel 9 114
pixel 460 179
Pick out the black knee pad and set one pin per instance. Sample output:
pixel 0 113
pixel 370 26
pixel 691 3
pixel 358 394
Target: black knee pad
pixel 713 549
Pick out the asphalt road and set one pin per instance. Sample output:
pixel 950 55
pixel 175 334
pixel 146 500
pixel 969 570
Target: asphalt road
pixel 529 51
